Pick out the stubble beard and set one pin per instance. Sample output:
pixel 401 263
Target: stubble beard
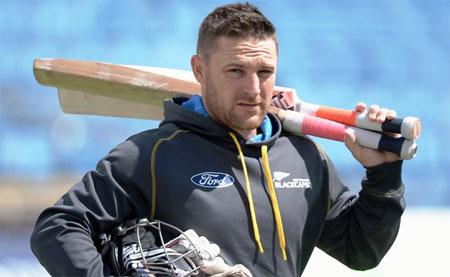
pixel 230 116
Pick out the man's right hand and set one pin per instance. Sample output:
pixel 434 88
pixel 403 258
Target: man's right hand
pixel 210 262
pixel 218 268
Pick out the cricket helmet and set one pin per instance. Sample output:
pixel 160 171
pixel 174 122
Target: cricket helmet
pixel 149 248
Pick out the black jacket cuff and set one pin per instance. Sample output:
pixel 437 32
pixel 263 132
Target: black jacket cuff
pixel 384 179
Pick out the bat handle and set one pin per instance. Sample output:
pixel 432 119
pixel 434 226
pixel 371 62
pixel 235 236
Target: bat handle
pixel 405 148
pixel 301 124
pixel 409 127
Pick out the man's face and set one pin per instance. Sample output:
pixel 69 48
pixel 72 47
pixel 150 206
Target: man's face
pixel 238 81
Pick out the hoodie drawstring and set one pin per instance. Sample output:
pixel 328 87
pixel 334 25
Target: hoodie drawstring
pixel 274 200
pixel 249 195
pixel 272 194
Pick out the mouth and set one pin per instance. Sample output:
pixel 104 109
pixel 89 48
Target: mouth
pixel 249 107
pixel 249 104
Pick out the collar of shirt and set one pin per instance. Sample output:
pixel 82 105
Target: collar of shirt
pixel 195 104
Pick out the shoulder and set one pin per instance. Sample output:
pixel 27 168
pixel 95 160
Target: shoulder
pixel 137 149
pixel 147 139
pixel 305 145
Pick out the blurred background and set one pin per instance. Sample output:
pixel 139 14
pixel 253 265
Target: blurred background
pixel 395 53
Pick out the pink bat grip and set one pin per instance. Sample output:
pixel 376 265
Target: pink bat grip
pixel 322 128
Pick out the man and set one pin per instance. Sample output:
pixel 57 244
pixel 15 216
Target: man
pixel 217 165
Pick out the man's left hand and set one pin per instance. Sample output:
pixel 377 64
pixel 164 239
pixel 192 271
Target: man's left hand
pixel 366 156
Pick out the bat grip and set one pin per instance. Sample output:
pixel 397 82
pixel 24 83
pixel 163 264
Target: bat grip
pixel 409 127
pixel 405 148
pixel 299 123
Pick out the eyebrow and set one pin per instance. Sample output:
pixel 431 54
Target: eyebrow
pixel 243 65
pixel 234 65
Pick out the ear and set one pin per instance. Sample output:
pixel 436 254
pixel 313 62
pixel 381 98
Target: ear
pixel 198 68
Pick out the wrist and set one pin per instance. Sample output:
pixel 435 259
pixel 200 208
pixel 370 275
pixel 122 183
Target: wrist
pixel 384 178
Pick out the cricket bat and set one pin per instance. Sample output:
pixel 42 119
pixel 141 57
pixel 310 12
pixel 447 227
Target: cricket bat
pixel 98 88
pixel 86 87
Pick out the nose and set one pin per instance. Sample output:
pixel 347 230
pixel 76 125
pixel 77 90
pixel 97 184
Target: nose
pixel 252 85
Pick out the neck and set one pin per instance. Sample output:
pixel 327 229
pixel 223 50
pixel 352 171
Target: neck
pixel 246 134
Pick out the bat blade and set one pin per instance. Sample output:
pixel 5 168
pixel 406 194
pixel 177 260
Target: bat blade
pixel 138 84
pixel 99 88
pixel 78 102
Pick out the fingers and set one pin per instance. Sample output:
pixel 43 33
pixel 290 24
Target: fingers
pixel 238 270
pixel 216 266
pixel 360 107
pixel 367 157
pixel 376 113
pixel 285 100
pixel 391 114
pixel 208 250
pixel 350 141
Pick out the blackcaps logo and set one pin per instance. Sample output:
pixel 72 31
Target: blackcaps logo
pixel 279 182
pixel 212 180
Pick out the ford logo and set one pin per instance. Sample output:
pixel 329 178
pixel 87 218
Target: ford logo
pixel 212 180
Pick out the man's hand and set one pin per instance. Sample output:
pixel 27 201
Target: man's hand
pixel 218 268
pixel 208 258
pixel 366 156
pixel 285 98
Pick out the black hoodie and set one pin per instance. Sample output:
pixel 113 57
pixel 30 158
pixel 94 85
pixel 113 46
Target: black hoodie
pixel 189 172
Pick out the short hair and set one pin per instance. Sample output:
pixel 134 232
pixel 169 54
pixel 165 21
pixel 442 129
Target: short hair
pixel 233 20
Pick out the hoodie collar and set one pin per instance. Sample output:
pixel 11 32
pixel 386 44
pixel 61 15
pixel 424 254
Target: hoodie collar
pixel 195 104
pixel 175 113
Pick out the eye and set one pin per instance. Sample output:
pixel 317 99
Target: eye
pixel 235 72
pixel 265 74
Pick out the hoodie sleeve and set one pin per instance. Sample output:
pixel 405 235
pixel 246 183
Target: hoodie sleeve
pixel 65 234
pixel 360 229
